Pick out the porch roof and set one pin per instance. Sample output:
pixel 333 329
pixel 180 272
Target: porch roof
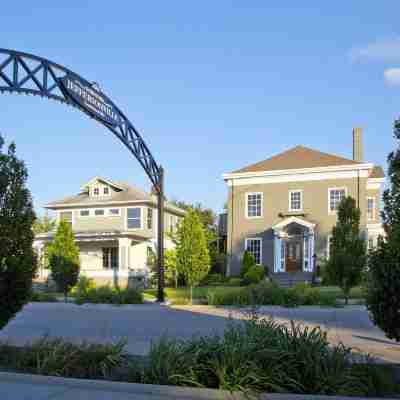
pixel 297 220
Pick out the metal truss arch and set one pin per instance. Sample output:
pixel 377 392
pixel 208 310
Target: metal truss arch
pixel 32 75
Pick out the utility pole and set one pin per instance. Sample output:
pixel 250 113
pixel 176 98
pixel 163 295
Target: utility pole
pixel 160 237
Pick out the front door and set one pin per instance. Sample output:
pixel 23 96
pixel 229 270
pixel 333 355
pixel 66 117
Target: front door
pixel 294 255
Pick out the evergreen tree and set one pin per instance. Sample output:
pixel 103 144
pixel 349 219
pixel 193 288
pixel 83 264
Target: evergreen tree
pixel 63 255
pixel 248 262
pixel 17 259
pixel 192 257
pixel 347 248
pixel 383 278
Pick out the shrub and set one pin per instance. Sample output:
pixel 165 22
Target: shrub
pixel 247 263
pixel 328 299
pixel 108 295
pixel 262 355
pixel 233 282
pixel 254 275
pixel 83 286
pixel 227 297
pixel 266 293
pixel 213 279
pixel 43 297
pixel 17 258
pixel 292 298
pixel 60 358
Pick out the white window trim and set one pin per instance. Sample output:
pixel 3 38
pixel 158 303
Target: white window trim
pixel 84 216
pixel 373 208
pixel 141 219
pixel 113 215
pixel 97 209
pixel 247 204
pixel 301 200
pixel 93 191
pixel 329 198
pixel 328 248
pixel 261 242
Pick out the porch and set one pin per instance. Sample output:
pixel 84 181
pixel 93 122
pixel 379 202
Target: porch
pixel 294 248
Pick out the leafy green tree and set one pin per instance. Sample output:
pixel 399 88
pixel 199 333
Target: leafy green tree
pixel 383 277
pixel 18 262
pixel 171 270
pixel 44 224
pixel 248 262
pixel 192 256
pixel 347 248
pixel 63 255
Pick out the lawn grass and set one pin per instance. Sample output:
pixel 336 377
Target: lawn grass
pixel 355 293
pixel 181 295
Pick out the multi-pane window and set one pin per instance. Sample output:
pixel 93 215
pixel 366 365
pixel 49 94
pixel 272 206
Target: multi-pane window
pixel 84 213
pixel 106 190
pixel 96 191
pixel 113 212
pixel 99 212
pixel 370 243
pixel 110 257
pixel 134 216
pixel 370 208
pixel 335 197
pixel 149 218
pixel 295 200
pixel 254 205
pixel 254 247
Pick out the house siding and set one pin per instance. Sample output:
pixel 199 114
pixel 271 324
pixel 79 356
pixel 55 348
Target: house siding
pixel 276 201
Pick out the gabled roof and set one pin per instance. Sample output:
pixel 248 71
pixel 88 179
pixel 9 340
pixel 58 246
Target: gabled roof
pixel 297 158
pixel 126 193
pixel 99 178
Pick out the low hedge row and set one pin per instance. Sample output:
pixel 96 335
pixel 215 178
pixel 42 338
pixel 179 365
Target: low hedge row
pixel 267 293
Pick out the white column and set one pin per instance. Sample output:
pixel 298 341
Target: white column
pixel 311 251
pixel 278 252
pixel 123 255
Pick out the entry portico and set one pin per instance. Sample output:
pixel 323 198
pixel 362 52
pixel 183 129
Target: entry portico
pixel 293 245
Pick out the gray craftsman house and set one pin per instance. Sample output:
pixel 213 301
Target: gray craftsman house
pixel 115 227
pixel 283 209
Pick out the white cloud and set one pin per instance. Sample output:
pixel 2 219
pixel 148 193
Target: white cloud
pixel 380 50
pixel 392 76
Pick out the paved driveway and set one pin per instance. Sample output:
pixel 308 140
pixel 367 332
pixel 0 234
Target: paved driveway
pixel 141 324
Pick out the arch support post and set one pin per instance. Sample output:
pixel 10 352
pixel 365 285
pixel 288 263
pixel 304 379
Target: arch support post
pixel 160 237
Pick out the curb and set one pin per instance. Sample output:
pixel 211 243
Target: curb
pixel 167 392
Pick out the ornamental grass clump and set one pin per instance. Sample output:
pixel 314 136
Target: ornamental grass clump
pixel 262 355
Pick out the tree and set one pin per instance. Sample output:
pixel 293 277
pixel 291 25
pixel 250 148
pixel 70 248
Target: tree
pixel 383 276
pixel 248 262
pixel 171 270
pixel 192 256
pixel 18 262
pixel 63 255
pixel 44 224
pixel 347 248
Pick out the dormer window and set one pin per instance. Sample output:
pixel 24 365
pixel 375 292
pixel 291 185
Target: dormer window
pixel 96 191
pixel 106 191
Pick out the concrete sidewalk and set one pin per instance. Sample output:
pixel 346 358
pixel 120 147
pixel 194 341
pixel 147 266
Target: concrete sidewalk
pixel 36 387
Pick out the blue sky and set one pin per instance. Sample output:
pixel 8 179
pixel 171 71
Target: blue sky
pixel 212 86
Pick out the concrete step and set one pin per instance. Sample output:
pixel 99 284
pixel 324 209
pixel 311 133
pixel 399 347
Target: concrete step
pixel 287 279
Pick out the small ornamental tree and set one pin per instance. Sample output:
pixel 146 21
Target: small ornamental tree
pixel 383 277
pixel 192 257
pixel 171 271
pixel 248 262
pixel 17 258
pixel 347 248
pixel 63 256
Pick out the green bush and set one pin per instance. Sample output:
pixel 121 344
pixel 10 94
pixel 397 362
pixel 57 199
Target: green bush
pixel 254 275
pixel 292 298
pixel 43 297
pixel 60 358
pixel 228 297
pixel 214 280
pixel 266 293
pixel 247 263
pixel 234 281
pixel 83 286
pixel 328 299
pixel 108 295
pixel 262 356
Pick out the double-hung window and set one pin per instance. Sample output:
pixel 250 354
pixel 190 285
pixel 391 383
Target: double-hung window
pixel 253 246
pixel 295 200
pixel 134 218
pixel 110 257
pixel 370 208
pixel 254 205
pixel 336 195
pixel 149 218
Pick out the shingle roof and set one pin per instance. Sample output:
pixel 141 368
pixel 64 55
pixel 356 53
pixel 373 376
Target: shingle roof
pixel 129 193
pixel 296 158
pixel 377 172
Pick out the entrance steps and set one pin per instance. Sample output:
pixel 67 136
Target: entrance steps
pixel 289 279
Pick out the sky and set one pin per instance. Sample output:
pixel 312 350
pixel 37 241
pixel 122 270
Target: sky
pixel 212 86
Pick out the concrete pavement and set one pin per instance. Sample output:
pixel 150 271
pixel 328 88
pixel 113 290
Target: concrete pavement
pixel 141 324
pixel 36 387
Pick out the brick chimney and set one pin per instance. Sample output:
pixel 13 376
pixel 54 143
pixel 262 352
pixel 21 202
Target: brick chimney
pixel 358 152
